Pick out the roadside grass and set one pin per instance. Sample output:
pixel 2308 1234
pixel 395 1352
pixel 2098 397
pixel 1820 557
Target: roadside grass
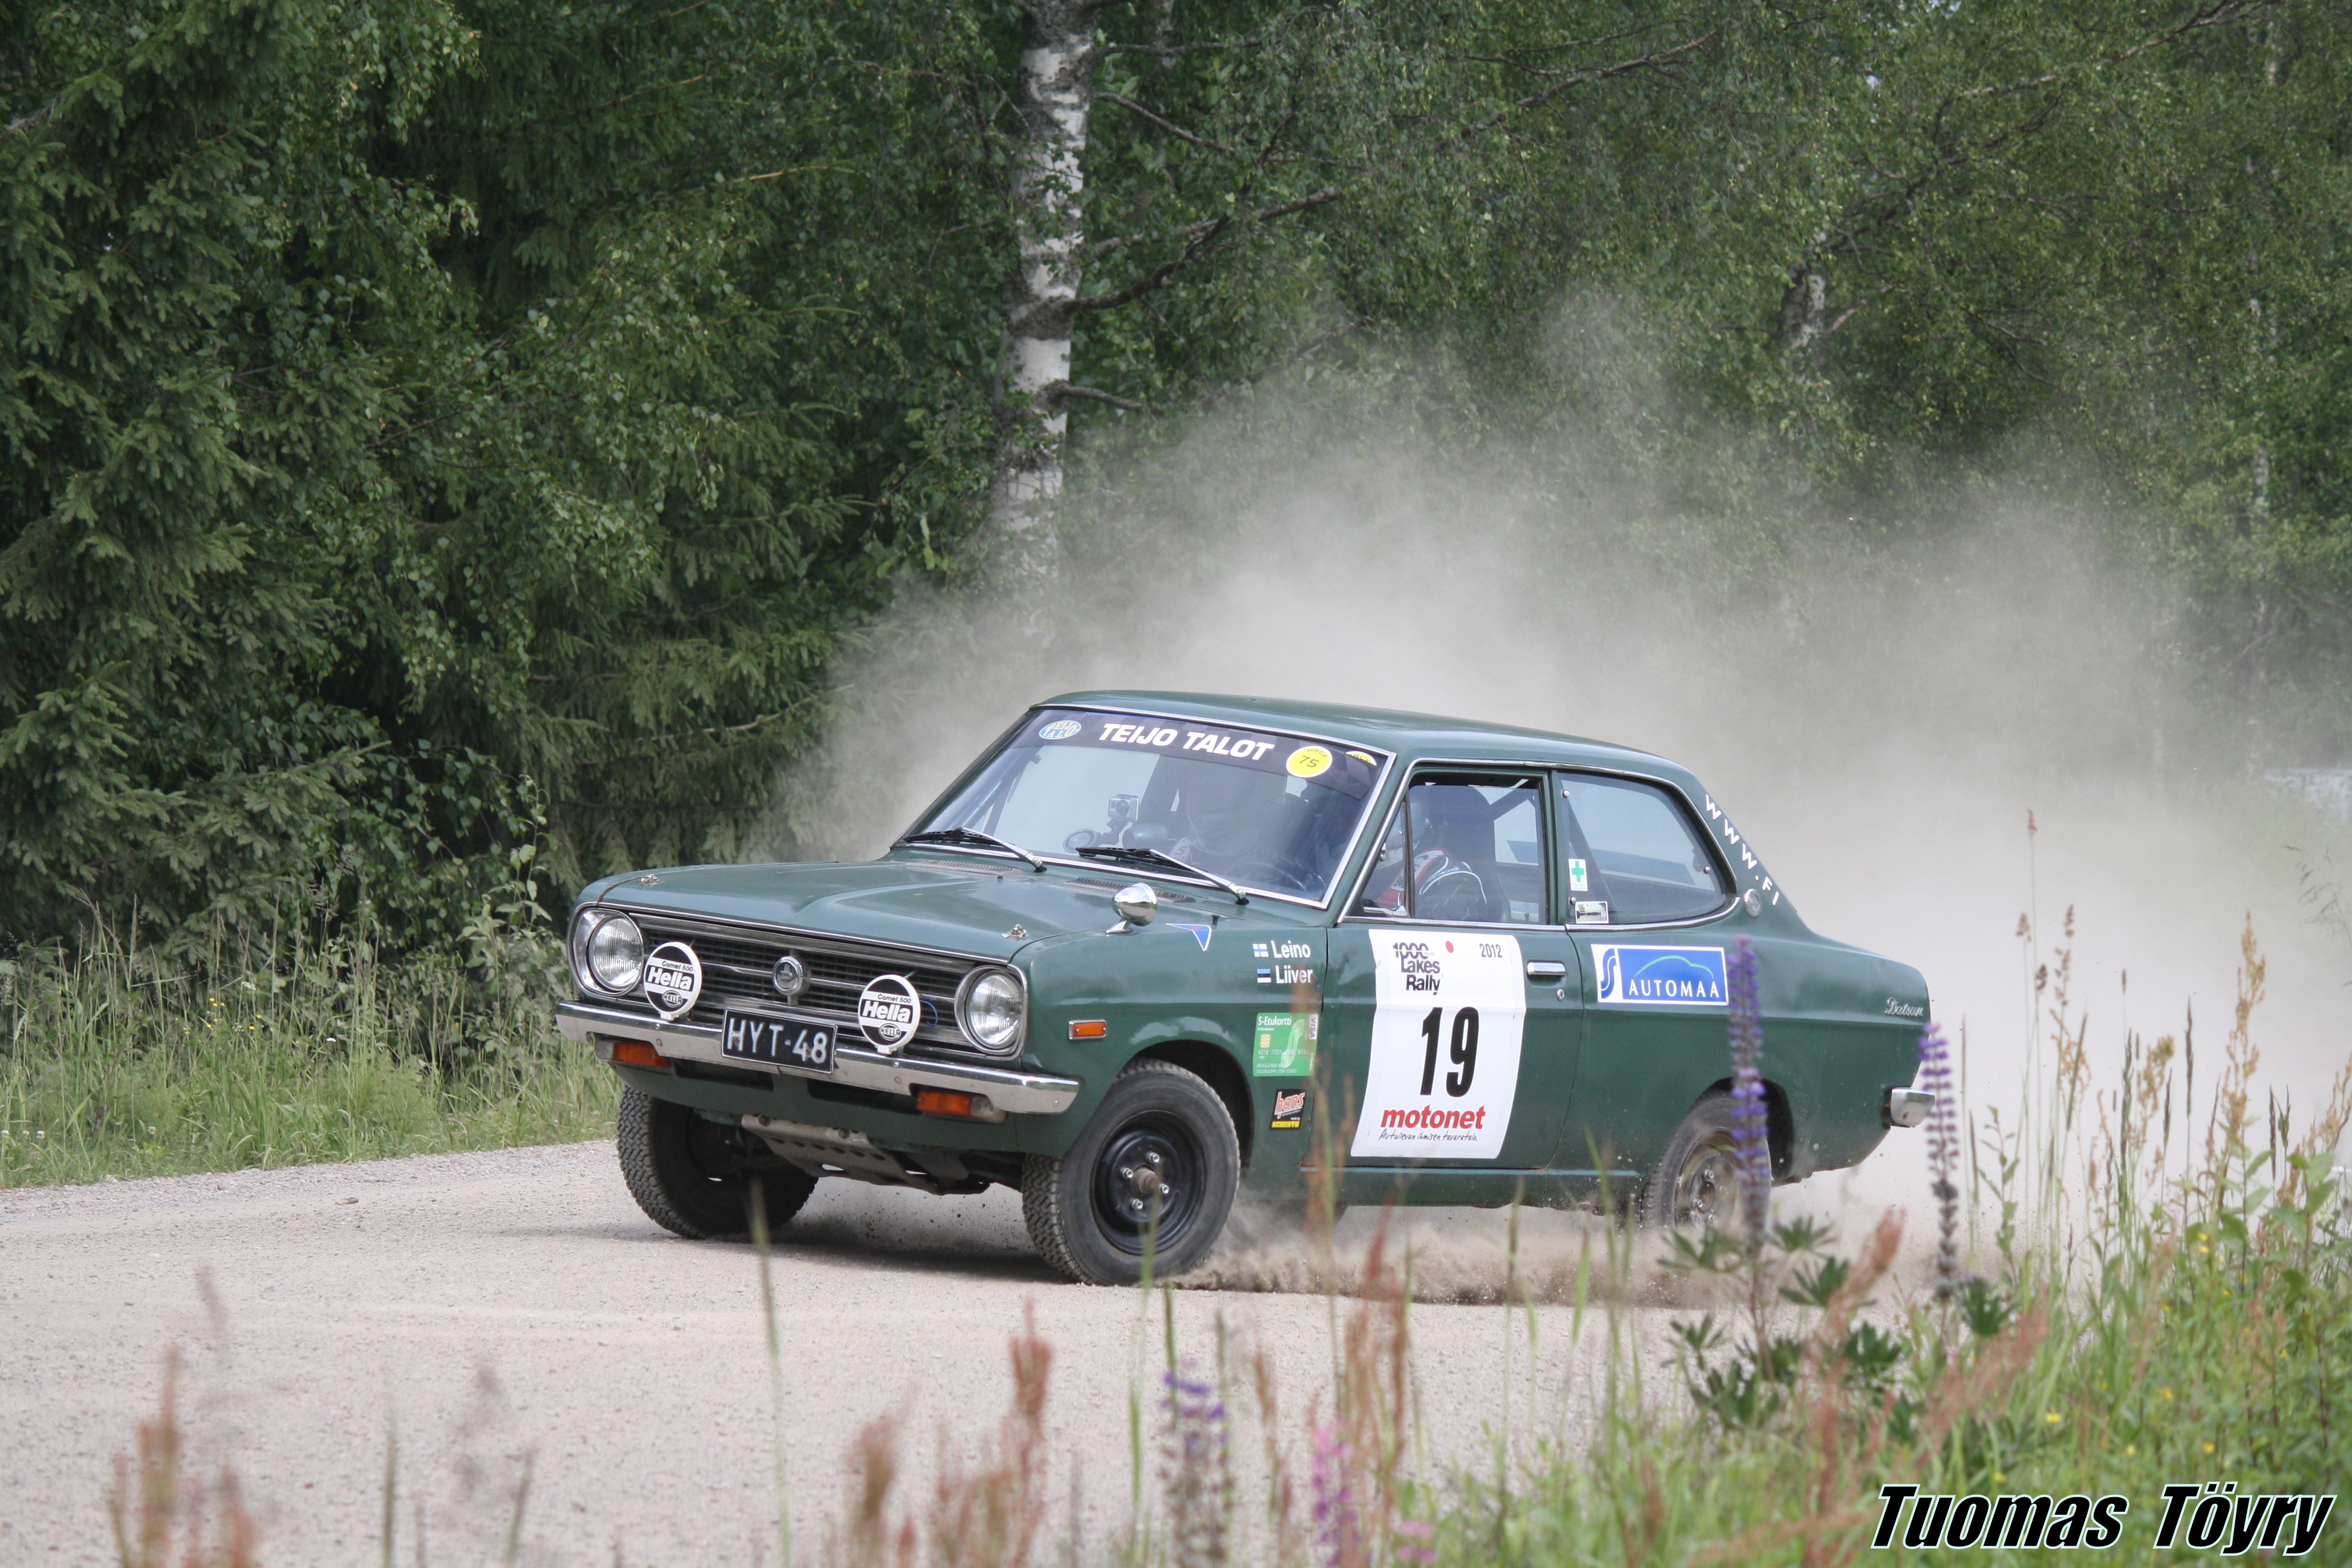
pixel 115 1066
pixel 2147 1284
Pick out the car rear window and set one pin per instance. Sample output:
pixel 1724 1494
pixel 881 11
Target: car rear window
pixel 1632 846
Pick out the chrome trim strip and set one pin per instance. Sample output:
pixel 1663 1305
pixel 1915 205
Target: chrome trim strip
pixel 1008 1089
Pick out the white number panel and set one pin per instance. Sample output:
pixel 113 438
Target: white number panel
pixel 1449 1008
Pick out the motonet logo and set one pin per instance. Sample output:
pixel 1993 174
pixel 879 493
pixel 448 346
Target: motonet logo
pixel 1435 1118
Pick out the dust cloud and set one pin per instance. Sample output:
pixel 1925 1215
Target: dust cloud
pixel 1880 710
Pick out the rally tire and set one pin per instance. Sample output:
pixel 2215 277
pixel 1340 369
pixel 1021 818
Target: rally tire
pixel 1156 1122
pixel 1696 1182
pixel 694 1177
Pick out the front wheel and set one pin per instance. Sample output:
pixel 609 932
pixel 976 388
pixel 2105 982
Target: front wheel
pixel 1695 1184
pixel 694 1177
pixel 1154 1172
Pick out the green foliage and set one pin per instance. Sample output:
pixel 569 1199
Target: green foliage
pixel 1818 274
pixel 367 510
pixel 435 429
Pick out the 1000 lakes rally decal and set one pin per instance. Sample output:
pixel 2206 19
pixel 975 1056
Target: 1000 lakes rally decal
pixel 1450 1009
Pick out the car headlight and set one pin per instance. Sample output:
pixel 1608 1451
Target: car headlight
pixel 992 1007
pixel 608 953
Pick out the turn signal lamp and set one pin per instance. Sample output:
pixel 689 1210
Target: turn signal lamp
pixel 1088 1029
pixel 955 1102
pixel 637 1054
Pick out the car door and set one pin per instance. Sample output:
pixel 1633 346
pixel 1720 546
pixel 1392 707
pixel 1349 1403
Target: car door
pixel 1452 1014
pixel 1649 900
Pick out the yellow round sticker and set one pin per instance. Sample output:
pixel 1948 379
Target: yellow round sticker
pixel 1308 760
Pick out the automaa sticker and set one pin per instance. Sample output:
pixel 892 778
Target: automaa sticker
pixel 1659 977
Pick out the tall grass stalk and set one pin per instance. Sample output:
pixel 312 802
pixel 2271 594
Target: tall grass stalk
pixel 760 1239
pixel 113 1065
pixel 391 1481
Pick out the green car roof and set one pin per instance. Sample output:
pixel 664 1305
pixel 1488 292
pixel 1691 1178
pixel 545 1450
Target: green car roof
pixel 1412 734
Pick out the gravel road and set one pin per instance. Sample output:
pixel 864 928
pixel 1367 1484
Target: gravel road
pixel 514 1310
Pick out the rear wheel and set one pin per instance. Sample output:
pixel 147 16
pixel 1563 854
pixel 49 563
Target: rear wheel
pixel 694 1177
pixel 1697 1183
pixel 1155 1171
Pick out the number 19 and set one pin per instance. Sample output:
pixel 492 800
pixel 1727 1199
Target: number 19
pixel 1464 1051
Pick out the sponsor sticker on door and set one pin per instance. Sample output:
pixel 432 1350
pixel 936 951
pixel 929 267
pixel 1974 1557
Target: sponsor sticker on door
pixel 1284 1045
pixel 1449 1008
pixel 1658 976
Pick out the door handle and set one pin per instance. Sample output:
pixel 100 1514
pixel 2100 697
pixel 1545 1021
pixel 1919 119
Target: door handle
pixel 1546 971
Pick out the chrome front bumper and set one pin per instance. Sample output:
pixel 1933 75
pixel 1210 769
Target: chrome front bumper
pixel 1009 1089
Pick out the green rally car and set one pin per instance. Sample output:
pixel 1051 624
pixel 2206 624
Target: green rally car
pixel 1153 948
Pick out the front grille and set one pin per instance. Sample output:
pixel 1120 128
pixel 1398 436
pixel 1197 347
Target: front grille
pixel 737 965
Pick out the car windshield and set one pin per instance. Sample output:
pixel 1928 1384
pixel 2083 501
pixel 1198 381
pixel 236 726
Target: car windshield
pixel 1270 812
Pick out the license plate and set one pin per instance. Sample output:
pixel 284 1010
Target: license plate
pixel 779 1042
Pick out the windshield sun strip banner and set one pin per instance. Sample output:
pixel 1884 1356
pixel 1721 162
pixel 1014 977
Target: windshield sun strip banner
pixel 1353 772
pixel 1030 732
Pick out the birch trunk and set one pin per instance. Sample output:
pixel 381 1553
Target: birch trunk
pixel 1805 318
pixel 1058 84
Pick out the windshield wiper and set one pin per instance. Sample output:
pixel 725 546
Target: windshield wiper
pixel 1159 858
pixel 970 836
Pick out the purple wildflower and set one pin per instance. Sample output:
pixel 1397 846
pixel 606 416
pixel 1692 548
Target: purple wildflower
pixel 1196 1469
pixel 1943 1155
pixel 1339 1535
pixel 1750 1133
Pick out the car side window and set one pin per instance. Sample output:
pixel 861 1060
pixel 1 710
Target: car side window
pixel 1466 847
pixel 1632 855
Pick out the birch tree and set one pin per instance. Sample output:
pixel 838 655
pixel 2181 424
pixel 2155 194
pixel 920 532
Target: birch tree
pixel 1277 116
pixel 1057 91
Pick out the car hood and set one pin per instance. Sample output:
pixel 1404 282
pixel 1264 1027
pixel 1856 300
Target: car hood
pixel 978 908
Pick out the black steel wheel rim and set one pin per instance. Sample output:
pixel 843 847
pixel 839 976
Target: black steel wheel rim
pixel 1152 1162
pixel 1706 1191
